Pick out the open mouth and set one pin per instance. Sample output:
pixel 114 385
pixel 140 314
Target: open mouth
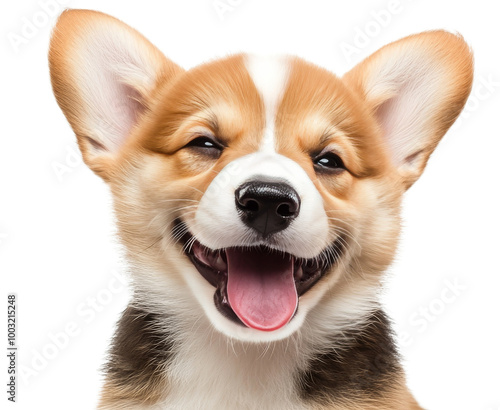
pixel 257 287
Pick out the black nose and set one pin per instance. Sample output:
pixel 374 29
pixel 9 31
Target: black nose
pixel 267 206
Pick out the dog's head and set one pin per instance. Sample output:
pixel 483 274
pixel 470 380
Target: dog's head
pixel 264 192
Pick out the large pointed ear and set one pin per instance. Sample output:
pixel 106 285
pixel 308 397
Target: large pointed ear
pixel 104 75
pixel 416 88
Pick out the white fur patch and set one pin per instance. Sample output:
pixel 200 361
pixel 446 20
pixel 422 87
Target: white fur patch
pixel 217 224
pixel 270 76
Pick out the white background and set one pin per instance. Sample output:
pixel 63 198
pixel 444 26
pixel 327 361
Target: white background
pixel 58 252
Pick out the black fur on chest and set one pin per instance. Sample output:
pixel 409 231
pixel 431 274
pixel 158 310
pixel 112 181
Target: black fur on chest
pixel 364 367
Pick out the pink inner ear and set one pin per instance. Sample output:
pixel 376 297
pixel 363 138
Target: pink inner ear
pixel 114 75
pixel 386 114
pixel 404 119
pixel 116 108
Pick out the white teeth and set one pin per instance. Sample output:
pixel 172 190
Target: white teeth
pixel 298 274
pixel 201 254
pixel 211 258
pixel 197 250
pixel 219 264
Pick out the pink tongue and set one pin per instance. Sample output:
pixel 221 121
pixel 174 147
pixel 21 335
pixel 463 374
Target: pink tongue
pixel 261 288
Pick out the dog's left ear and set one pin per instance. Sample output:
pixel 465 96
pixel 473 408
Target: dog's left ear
pixel 105 76
pixel 415 87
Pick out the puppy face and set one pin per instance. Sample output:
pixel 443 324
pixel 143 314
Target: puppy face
pixel 259 194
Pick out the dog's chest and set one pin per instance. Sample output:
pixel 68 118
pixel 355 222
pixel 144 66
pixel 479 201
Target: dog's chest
pixel 217 374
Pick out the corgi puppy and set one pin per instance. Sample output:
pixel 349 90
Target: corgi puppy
pixel 258 201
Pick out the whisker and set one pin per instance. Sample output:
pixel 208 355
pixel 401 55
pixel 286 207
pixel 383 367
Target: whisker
pixel 179 199
pixel 196 189
pixel 153 244
pixel 181 208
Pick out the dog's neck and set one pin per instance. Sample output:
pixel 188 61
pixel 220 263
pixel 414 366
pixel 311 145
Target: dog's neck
pixel 209 370
pixel 191 365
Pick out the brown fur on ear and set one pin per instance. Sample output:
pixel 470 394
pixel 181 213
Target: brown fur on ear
pixel 104 75
pixel 415 87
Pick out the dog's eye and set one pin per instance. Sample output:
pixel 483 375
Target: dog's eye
pixel 206 145
pixel 329 161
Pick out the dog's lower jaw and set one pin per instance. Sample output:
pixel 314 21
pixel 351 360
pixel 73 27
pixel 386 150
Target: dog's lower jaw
pixel 152 368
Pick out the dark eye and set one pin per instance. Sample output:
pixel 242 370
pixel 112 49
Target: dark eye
pixel 205 145
pixel 329 162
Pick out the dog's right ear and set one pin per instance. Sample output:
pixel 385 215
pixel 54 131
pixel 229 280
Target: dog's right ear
pixel 415 87
pixel 104 75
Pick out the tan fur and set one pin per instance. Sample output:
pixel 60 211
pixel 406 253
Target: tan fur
pixel 154 179
pixel 122 397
